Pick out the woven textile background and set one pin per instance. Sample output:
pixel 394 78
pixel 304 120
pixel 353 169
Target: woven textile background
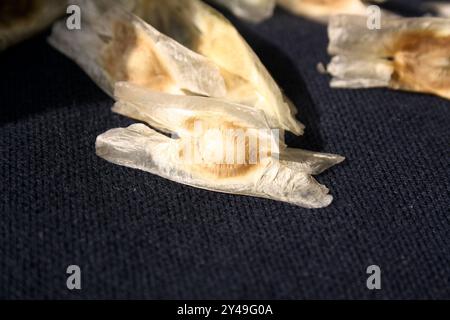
pixel 136 235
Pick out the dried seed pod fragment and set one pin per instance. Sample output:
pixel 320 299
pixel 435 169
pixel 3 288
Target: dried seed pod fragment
pixel 251 10
pixel 442 9
pixel 410 54
pixel 219 146
pixel 205 31
pixel 20 19
pixel 115 45
pixel 321 10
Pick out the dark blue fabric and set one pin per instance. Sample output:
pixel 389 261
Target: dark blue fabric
pixel 136 235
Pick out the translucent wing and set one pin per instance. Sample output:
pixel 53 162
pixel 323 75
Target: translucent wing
pixel 205 31
pixel 442 9
pixel 115 45
pixel 218 146
pixel 169 112
pixel 406 53
pixel 321 10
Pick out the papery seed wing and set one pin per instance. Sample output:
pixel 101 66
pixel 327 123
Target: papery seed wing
pixel 321 10
pixel 172 113
pixel 143 148
pixel 20 20
pixel 406 53
pixel 204 30
pixel 349 35
pixel 442 9
pixel 117 46
pixel 309 161
pixel 219 146
pixel 360 72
